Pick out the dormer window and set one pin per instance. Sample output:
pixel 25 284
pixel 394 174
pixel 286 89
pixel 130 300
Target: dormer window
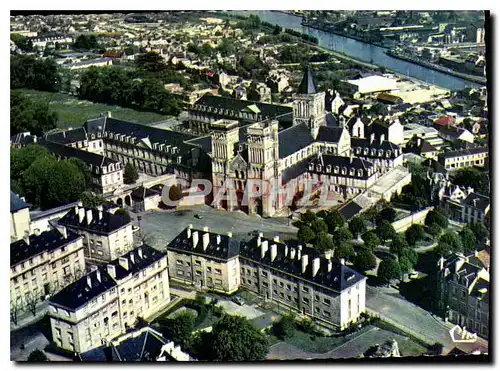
pixel 365 151
pixel 380 153
pixel 358 150
pixel 318 167
pixel 328 168
pixel 311 167
pixel 388 154
pixel 337 169
pixel 360 172
pixel 344 170
pixel 351 171
pixel 372 152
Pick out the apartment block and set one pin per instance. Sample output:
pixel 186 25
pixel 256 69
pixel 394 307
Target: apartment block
pixel 43 263
pixel 464 292
pixel 453 160
pixel 19 217
pixel 106 302
pixel 106 236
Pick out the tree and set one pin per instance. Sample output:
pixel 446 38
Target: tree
pixel 365 260
pixel 122 212
pixel 151 62
pixel 91 200
pixel 411 255
pixel 335 220
pixel 414 233
pixel 434 230
pixel 323 242
pixel 436 349
pixel 468 239
pixel 28 115
pixel 436 217
pixel 342 235
pixel 285 327
pixel 405 265
pixel 235 339
pixel 319 225
pixel 15 309
pixel 277 30
pixel 26 71
pixel 472 177
pixel 480 231
pixel 130 174
pixel 388 270
pixel 370 240
pixel 31 302
pixel 180 329
pixel 399 244
pixel 453 240
pixel 387 213
pixel 344 250
pixel 175 192
pixel 385 231
pixel 305 234
pixel 37 356
pixel 86 42
pixel 308 217
pixel 357 225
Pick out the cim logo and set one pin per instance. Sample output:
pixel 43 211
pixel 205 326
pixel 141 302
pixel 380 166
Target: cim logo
pixel 459 335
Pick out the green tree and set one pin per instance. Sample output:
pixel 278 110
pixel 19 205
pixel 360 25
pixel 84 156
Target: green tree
pixel 385 231
pixel 122 212
pixel 130 174
pixel 305 234
pixel 399 244
pixel 308 217
pixel 344 250
pixel 175 192
pixel 468 239
pixel 453 240
pixel 370 240
pixel 28 115
pixel 357 225
pixel 235 339
pixel 365 260
pixel 434 230
pixel 323 242
pixel 27 71
pixel 414 233
pixel 91 200
pixel 409 254
pixel 388 270
pixel 151 62
pixel 405 265
pixel 335 220
pixel 472 177
pixel 37 356
pixel 342 235
pixel 180 329
pixel 86 42
pixel 277 30
pixel 436 217
pixel 387 213
pixel 319 225
pixel 480 231
pixel 284 328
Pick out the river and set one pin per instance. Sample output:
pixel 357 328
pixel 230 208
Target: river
pixel 362 51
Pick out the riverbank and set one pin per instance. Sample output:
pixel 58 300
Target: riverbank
pixel 472 78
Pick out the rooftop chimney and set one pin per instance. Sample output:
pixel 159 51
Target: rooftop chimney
pixel 89 281
pixel 26 239
pixel 206 240
pixel 292 253
pixel 99 208
pixel 81 215
pixel 274 251
pixel 37 232
pixel 259 239
pixel 372 138
pixel 218 239
pixel 382 137
pixel 230 234
pixel 263 248
pixel 316 262
pixel 330 264
pixel 80 204
pixel 299 252
pixel 123 262
pixel 111 270
pixel 276 239
pixel 305 261
pixel 132 257
pixel 342 261
pixel 195 239
pixel 89 216
pixel 205 229
pixel 76 210
pixel 139 251
pixel 286 251
pixel 98 275
pixel 64 232
pixel 190 226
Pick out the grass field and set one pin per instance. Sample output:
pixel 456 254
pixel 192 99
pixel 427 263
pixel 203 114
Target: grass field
pixel 73 112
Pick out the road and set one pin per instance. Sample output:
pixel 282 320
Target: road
pixel 161 227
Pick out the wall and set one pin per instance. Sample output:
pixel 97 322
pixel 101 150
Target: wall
pixel 415 218
pixel 19 223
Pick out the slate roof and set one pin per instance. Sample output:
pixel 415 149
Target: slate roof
pixel 228 247
pixel 464 152
pixel 142 193
pixel 451 131
pixel 329 134
pixel 22 139
pixel 481 202
pixel 330 120
pixel 295 170
pixel 203 142
pixel 350 210
pixel 341 161
pixel 294 139
pixel 138 263
pixel 68 136
pixel 338 279
pixel 79 293
pixel 45 242
pixel 307 85
pixel 89 158
pixel 17 203
pixel 376 144
pixel 107 225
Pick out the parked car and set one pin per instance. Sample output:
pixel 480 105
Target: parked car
pixel 238 300
pixel 413 275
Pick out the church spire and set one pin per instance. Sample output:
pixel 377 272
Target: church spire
pixel 307 85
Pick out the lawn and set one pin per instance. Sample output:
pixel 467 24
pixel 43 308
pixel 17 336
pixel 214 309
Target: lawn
pixel 73 112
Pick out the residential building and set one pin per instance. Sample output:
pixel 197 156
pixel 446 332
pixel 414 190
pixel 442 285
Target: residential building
pixel 453 133
pixel 143 345
pixel 475 208
pixel 99 62
pixel 106 302
pixel 464 293
pixel 43 263
pixel 205 259
pixel 290 274
pixel 78 138
pixel 106 236
pixel 453 160
pixel 19 217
